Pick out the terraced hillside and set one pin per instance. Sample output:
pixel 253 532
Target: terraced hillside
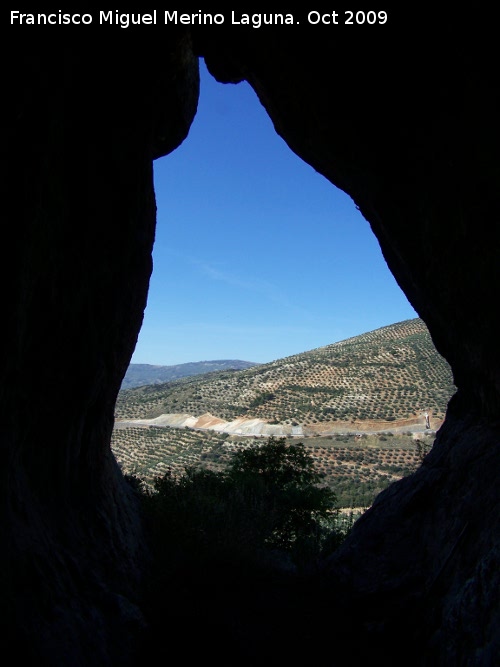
pixel 357 405
pixel 392 374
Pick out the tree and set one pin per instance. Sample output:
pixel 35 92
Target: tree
pixel 295 508
pixel 267 505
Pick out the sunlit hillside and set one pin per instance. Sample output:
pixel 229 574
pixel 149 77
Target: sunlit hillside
pixel 359 405
pixel 388 374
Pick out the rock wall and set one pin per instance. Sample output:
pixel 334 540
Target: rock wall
pixel 84 123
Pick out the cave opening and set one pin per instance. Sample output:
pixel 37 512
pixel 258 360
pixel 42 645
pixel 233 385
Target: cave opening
pixel 257 256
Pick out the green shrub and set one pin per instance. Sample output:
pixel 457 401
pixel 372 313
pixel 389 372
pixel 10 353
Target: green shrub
pixel 267 507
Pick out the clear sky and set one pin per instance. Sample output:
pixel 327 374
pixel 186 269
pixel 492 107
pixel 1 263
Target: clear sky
pixel 257 256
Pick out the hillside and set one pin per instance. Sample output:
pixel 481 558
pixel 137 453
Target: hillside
pixel 138 375
pixel 357 405
pixel 392 374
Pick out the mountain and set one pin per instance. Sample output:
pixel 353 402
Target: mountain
pixel 393 374
pixel 138 375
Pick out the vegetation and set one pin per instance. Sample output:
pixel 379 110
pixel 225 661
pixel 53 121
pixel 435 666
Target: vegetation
pixel 221 543
pixel 268 507
pixel 233 553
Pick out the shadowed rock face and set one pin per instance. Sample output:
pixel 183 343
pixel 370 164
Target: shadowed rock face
pixel 85 122
pixel 417 153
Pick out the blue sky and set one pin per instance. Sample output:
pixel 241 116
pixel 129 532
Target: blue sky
pixel 257 256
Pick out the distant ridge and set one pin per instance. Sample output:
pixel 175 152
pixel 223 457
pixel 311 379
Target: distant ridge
pixel 139 375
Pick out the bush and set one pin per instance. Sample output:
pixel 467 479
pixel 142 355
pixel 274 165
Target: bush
pixel 284 479
pixel 266 507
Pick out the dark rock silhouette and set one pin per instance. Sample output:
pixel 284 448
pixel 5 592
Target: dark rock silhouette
pixel 406 122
